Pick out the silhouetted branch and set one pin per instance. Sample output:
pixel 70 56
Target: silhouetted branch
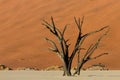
pixel 79 38
pixel 55 48
pixel 99 56
pixel 64 30
pixel 92 48
pixel 101 29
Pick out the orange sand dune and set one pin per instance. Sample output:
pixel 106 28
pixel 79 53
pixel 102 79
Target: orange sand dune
pixel 22 41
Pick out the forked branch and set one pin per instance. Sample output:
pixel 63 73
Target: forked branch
pixel 54 48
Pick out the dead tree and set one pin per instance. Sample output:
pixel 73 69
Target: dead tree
pixel 87 57
pixel 63 50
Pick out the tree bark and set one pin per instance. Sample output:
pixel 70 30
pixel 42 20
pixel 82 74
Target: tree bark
pixel 79 67
pixel 67 69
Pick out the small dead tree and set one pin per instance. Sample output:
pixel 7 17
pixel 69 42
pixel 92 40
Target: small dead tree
pixel 87 57
pixel 63 50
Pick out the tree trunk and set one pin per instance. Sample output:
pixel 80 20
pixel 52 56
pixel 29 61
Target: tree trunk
pixel 67 68
pixel 80 65
pixel 79 69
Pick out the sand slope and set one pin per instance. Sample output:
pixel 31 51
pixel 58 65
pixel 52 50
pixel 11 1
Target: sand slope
pixel 22 35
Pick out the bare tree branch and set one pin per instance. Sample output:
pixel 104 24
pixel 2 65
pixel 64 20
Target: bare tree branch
pixel 82 21
pixel 48 27
pixel 92 47
pixel 55 48
pixel 79 38
pixel 99 56
pixel 90 33
pixel 64 30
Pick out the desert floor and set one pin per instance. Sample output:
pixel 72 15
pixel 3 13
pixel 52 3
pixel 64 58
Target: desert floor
pixel 57 75
pixel 22 35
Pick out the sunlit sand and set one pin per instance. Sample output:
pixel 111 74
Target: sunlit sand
pixel 57 75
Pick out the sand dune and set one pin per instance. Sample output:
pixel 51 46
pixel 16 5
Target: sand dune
pixel 22 41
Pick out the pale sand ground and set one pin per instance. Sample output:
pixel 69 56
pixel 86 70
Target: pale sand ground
pixel 57 75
